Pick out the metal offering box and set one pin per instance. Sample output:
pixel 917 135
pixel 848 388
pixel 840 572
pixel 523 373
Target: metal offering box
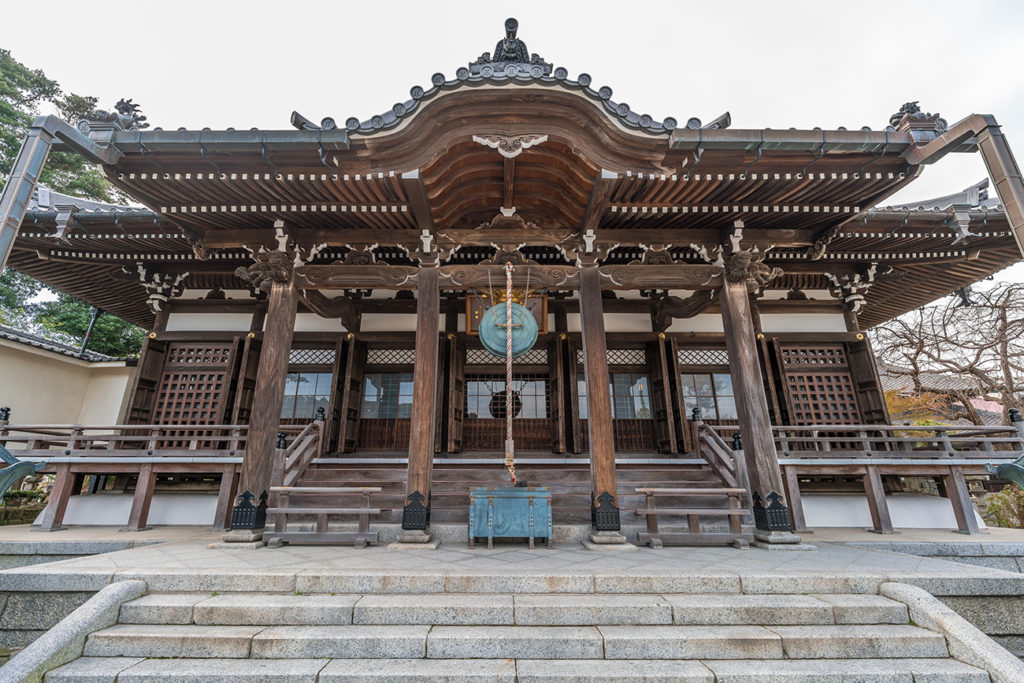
pixel 510 512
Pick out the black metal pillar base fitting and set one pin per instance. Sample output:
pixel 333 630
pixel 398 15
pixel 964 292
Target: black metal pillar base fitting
pixel 775 517
pixel 245 515
pixel 415 515
pixel 605 517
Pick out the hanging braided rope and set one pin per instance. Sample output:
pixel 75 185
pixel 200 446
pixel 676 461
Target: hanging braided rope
pixel 509 444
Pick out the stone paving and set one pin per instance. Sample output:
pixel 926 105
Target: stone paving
pixel 195 565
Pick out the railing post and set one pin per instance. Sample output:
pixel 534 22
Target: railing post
pixel 1017 422
pixel 740 462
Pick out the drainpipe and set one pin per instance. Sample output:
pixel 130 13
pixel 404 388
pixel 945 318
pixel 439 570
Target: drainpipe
pixel 96 313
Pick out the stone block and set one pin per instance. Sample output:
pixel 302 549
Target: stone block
pixel 860 642
pixel 589 609
pixel 807 671
pixel 274 610
pixel 865 609
pixel 343 642
pixel 419 671
pixel 1015 644
pixel 147 640
pixel 939 671
pixel 995 615
pixel 368 582
pixel 991 582
pixel 224 671
pixel 435 608
pixel 1006 564
pixel 514 642
pixel 39 610
pixel 690 642
pixel 619 671
pixel 237 579
pixel 52 578
pixel 675 582
pixel 749 609
pixel 804 583
pixel 507 582
pixel 161 608
pixel 92 670
pixel 15 638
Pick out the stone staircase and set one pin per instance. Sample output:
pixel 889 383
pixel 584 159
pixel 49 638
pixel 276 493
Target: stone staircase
pixel 514 637
pixel 570 484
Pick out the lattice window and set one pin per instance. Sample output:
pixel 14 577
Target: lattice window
pixel 197 354
pixel 390 356
pixel 692 356
pixel 484 423
pixel 311 357
pixel 711 392
pixel 632 412
pixel 534 356
pixel 813 356
pixel 822 398
pixel 620 356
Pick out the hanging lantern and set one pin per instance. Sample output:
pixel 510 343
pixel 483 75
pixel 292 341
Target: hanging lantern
pixel 493 330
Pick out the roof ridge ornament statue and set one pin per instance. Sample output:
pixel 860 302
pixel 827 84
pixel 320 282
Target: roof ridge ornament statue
pixel 510 57
pixel 125 117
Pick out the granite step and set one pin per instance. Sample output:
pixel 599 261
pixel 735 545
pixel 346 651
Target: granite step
pixel 565 609
pixel 516 642
pixel 137 669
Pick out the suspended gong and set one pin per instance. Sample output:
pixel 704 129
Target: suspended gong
pixel 493 328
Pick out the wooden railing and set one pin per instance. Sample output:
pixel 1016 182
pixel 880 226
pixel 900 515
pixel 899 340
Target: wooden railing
pixel 896 442
pixel 306 445
pixel 131 442
pixel 719 455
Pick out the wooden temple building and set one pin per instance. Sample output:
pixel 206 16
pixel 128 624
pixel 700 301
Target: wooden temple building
pixel 312 297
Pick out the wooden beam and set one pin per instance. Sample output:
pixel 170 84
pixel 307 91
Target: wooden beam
pixel 960 497
pixel 53 515
pixel 675 276
pixel 419 204
pixel 341 307
pixel 604 492
pixel 752 408
pixel 509 185
pixel 265 419
pixel 604 185
pixel 416 514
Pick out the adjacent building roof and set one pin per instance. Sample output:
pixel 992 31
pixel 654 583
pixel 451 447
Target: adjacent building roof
pixel 40 342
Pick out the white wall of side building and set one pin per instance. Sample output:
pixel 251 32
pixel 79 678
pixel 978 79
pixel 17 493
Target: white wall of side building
pixel 42 387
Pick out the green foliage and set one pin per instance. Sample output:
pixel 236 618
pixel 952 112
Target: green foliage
pixel 24 94
pixel 69 318
pixel 18 498
pixel 1006 508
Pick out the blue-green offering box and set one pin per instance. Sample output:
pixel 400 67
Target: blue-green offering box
pixel 510 512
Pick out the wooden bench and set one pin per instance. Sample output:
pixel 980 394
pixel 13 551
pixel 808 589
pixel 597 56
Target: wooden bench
pixel 735 512
pixel 320 535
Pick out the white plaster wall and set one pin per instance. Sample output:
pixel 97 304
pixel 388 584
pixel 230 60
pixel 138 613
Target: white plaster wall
pixel 167 509
pixel 311 322
pixel 106 394
pixel 616 322
pixel 704 322
pixel 908 511
pixel 195 294
pixel 803 322
pixel 812 294
pixel 42 387
pixel 209 322
pixel 392 322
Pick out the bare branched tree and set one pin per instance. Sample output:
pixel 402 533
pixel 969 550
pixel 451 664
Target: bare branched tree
pixel 982 340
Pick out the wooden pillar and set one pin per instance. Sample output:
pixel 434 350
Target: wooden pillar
pixel 770 510
pixel 53 515
pixel 265 418
pixel 956 490
pixel 225 498
pixel 143 498
pixel 416 514
pixel 604 503
pixel 881 521
pixel 791 479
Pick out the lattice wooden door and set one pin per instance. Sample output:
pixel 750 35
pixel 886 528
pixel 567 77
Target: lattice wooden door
pixel 193 388
pixel 820 387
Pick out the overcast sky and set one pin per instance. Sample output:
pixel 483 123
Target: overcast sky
pixel 771 64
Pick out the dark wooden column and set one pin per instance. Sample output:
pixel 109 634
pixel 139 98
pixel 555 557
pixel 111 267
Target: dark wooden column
pixel 771 514
pixel 265 417
pixel 416 514
pixel 604 503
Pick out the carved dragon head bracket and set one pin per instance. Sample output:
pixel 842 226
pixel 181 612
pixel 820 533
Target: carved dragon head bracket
pixel 270 267
pixel 851 289
pixel 160 287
